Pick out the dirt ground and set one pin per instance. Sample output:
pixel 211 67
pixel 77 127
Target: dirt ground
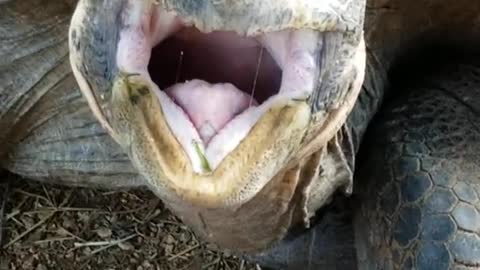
pixel 52 227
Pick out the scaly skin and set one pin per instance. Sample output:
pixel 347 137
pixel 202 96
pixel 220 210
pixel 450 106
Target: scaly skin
pixel 419 184
pixel 47 130
pixel 49 133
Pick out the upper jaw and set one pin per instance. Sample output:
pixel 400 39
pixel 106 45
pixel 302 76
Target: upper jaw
pixel 253 17
pixel 146 129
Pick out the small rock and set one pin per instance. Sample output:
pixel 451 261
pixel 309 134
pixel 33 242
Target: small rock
pixel 169 239
pixel 104 232
pixel 87 250
pixel 211 246
pixel 83 217
pixel 125 245
pixel 169 249
pixel 41 267
pixel 227 253
pixel 68 223
pixel 62 232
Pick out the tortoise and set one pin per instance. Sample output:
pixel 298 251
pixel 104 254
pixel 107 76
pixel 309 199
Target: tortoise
pixel 269 129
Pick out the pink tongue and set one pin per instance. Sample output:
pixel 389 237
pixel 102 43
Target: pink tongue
pixel 209 106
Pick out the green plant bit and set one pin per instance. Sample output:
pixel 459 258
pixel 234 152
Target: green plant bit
pixel 203 159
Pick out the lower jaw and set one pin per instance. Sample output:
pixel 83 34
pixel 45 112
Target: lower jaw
pixel 229 138
pixel 161 158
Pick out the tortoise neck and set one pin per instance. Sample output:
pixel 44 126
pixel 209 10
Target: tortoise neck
pixel 369 100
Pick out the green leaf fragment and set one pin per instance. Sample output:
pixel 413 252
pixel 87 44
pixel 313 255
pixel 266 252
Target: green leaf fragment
pixel 203 159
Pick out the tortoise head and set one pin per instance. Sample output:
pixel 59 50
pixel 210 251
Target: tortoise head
pixel 225 107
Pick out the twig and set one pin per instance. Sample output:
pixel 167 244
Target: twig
pixel 72 235
pixel 48 195
pixel 181 253
pixel 31 195
pixel 12 214
pixel 217 260
pixel 38 224
pixel 94 244
pixel 103 243
pixel 112 243
pixel 58 239
pixel 71 209
pixel 17 222
pixel 226 264
pixel 3 202
pixel 242 264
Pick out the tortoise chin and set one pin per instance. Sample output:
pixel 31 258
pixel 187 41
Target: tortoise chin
pixel 222 119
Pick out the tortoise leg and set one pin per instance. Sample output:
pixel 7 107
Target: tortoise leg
pixel 47 130
pixel 421 177
pixel 4 195
pixel 70 147
pixel 327 245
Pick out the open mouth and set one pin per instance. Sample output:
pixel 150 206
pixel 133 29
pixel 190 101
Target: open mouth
pixel 213 87
pixel 215 77
pixel 231 105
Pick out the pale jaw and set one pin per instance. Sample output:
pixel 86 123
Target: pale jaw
pixel 210 119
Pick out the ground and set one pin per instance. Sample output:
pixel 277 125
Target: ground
pixel 53 227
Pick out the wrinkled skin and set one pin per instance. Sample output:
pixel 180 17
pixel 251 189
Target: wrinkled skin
pixel 50 133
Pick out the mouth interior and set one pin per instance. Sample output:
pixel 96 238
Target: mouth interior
pixel 214 77
pixel 213 87
pixel 218 57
